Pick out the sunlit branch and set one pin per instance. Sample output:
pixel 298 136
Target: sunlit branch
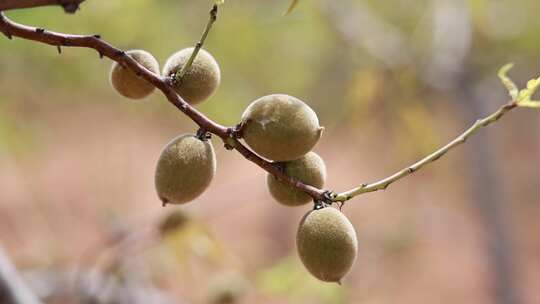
pixel 384 183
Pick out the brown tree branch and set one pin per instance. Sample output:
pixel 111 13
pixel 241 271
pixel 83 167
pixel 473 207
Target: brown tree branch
pixel 70 6
pixel 13 29
pixel 228 135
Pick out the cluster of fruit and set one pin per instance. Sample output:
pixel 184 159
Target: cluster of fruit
pixel 277 127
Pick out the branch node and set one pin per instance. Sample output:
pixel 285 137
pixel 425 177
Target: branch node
pixel 59 49
pixel 214 12
pixel 280 166
pixel 236 131
pixel 203 135
pixel 97 36
pixel 329 196
pixel 40 30
pixel 327 200
pixel 318 205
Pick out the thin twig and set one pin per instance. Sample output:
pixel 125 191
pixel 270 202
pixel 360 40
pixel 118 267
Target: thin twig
pixel 10 28
pixel 213 17
pixel 384 183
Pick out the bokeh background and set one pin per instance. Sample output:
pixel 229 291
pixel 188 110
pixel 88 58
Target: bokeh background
pixel 390 80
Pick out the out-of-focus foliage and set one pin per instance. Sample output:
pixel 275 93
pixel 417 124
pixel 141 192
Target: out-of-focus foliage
pixel 288 278
pixel 293 4
pixel 390 81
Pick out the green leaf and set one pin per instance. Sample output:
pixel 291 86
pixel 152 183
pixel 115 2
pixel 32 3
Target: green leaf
pixel 293 4
pixel 533 84
pixel 521 97
pixel 525 95
pixel 513 90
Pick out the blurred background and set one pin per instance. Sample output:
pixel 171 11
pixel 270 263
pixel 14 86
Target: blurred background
pixel 390 80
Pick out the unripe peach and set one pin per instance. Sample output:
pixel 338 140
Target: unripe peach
pixel 309 169
pixel 127 83
pixel 327 244
pixel 200 81
pixel 280 127
pixel 184 169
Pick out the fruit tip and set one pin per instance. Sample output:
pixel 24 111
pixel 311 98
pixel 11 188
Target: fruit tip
pixel 164 202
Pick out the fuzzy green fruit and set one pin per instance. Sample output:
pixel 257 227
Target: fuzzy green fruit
pixel 184 169
pixel 327 244
pixel 280 127
pixel 309 169
pixel 201 79
pixel 127 83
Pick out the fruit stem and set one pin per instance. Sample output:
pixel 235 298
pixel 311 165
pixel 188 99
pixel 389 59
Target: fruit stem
pixel 203 134
pixel 177 78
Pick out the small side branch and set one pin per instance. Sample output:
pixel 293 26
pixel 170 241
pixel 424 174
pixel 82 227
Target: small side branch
pixel 384 183
pixel 213 17
pixel 70 6
pixel 12 288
